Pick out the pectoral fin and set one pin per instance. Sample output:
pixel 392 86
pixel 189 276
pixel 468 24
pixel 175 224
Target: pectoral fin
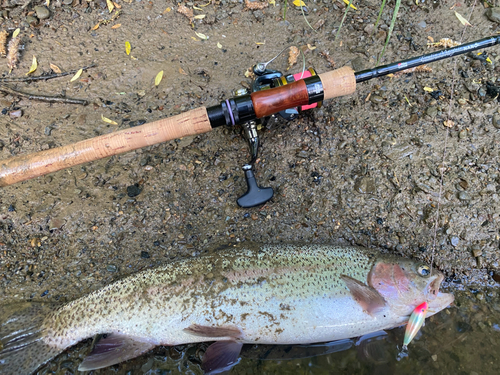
pixel 206 331
pixel 368 298
pixel 221 356
pixel 114 348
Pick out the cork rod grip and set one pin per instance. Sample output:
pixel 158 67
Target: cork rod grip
pixel 338 82
pixel 25 167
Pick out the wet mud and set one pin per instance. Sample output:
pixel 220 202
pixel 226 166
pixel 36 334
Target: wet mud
pixel 377 168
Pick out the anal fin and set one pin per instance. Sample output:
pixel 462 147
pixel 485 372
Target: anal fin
pixel 114 348
pixel 221 356
pixel 368 298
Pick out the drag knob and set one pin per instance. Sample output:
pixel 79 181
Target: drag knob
pixel 255 195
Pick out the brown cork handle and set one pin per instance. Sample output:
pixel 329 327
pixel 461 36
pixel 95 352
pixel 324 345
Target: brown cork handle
pixel 25 167
pixel 338 82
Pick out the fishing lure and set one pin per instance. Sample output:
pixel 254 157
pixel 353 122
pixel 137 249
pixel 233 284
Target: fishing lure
pixel 416 321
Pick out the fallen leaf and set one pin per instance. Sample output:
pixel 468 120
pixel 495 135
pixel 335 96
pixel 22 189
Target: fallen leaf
pixel 128 48
pixel 95 27
pixel 167 10
pixel 448 123
pixel 55 68
pixel 431 39
pixel 116 26
pixel 34 65
pixel 260 43
pixel 199 17
pixel 488 59
pixel 197 8
pixel 312 48
pixel 110 5
pixel 352 6
pixel 219 45
pixel 194 38
pixel 299 3
pixel 16 33
pixel 47 3
pixel 207 4
pixel 201 36
pixel 272 2
pixel 117 6
pixel 77 75
pixel 158 78
pixel 105 119
pixel 428 89
pixel 462 19
pixel 181 71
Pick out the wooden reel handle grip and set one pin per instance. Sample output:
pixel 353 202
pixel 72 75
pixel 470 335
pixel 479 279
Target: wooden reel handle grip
pixel 25 167
pixel 338 82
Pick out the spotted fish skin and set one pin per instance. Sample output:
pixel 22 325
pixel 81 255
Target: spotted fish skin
pixel 268 294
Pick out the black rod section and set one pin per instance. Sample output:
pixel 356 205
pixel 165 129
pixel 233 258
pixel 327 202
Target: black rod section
pixel 383 70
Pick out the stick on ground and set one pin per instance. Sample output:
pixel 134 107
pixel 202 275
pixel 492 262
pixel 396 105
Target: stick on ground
pixel 43 98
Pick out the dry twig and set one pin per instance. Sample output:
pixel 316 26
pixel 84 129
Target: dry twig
pixel 44 77
pixel 43 98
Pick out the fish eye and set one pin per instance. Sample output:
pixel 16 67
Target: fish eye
pixel 424 270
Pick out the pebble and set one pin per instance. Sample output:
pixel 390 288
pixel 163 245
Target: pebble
pixel 462 134
pixel 42 12
pixel 493 14
pixel 358 64
pixel 454 241
pixel 413 119
pixel 422 24
pixel 111 268
pixel 463 196
pixel 133 190
pixel 376 99
pixel 496 120
pixel 67 2
pixel 15 114
pixel 431 111
pixel 32 20
pixel 476 251
pixel 365 185
pixel 145 255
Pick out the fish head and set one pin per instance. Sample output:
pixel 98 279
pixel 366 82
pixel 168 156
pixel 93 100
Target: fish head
pixel 405 284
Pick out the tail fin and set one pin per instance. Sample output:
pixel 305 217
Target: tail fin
pixel 22 349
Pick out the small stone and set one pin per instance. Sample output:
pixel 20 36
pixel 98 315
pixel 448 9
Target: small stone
pixel 454 241
pixel 431 111
pixel 145 255
pixel 15 114
pixel 376 99
pixel 493 14
pixel 434 357
pixel 111 268
pixel 496 120
pixel 133 190
pixel 32 20
pixel 42 12
pixel 365 185
pixel 67 2
pixel 476 251
pixel 463 196
pixel 422 24
pixel 462 134
pixel 358 64
pixel 413 119
pixel 369 28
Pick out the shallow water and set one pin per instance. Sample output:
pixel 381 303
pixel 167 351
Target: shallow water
pixel 463 339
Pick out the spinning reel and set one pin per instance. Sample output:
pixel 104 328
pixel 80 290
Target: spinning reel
pixel 266 79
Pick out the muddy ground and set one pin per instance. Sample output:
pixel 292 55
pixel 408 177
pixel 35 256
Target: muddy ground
pixel 364 169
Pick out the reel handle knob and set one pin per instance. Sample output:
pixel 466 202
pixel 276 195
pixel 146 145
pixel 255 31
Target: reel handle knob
pixel 255 194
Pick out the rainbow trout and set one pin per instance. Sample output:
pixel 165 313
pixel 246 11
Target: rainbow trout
pixel 259 294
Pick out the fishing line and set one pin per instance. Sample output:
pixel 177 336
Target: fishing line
pixel 442 167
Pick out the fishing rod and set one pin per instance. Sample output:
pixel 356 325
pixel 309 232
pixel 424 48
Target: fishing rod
pixel 272 93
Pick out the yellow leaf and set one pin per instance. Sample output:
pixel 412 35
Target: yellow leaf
pixel 204 5
pixel 272 2
pixel 158 78
pixel 462 19
pixel 105 119
pixel 55 68
pixel 199 17
pixel 219 45
pixel 201 36
pixel 488 59
pixel 448 123
pixel 197 8
pixel 312 48
pixel 299 3
pixel 428 89
pixel 167 10
pixel 16 32
pixel 116 26
pixel 47 3
pixel 181 71
pixel 260 43
pixel 34 65
pixel 95 27
pixel 194 38
pixel 117 6
pixel 128 48
pixel 111 6
pixel 77 75
pixel 352 6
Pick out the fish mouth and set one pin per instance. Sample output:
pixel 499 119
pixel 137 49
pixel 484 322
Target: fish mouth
pixel 437 300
